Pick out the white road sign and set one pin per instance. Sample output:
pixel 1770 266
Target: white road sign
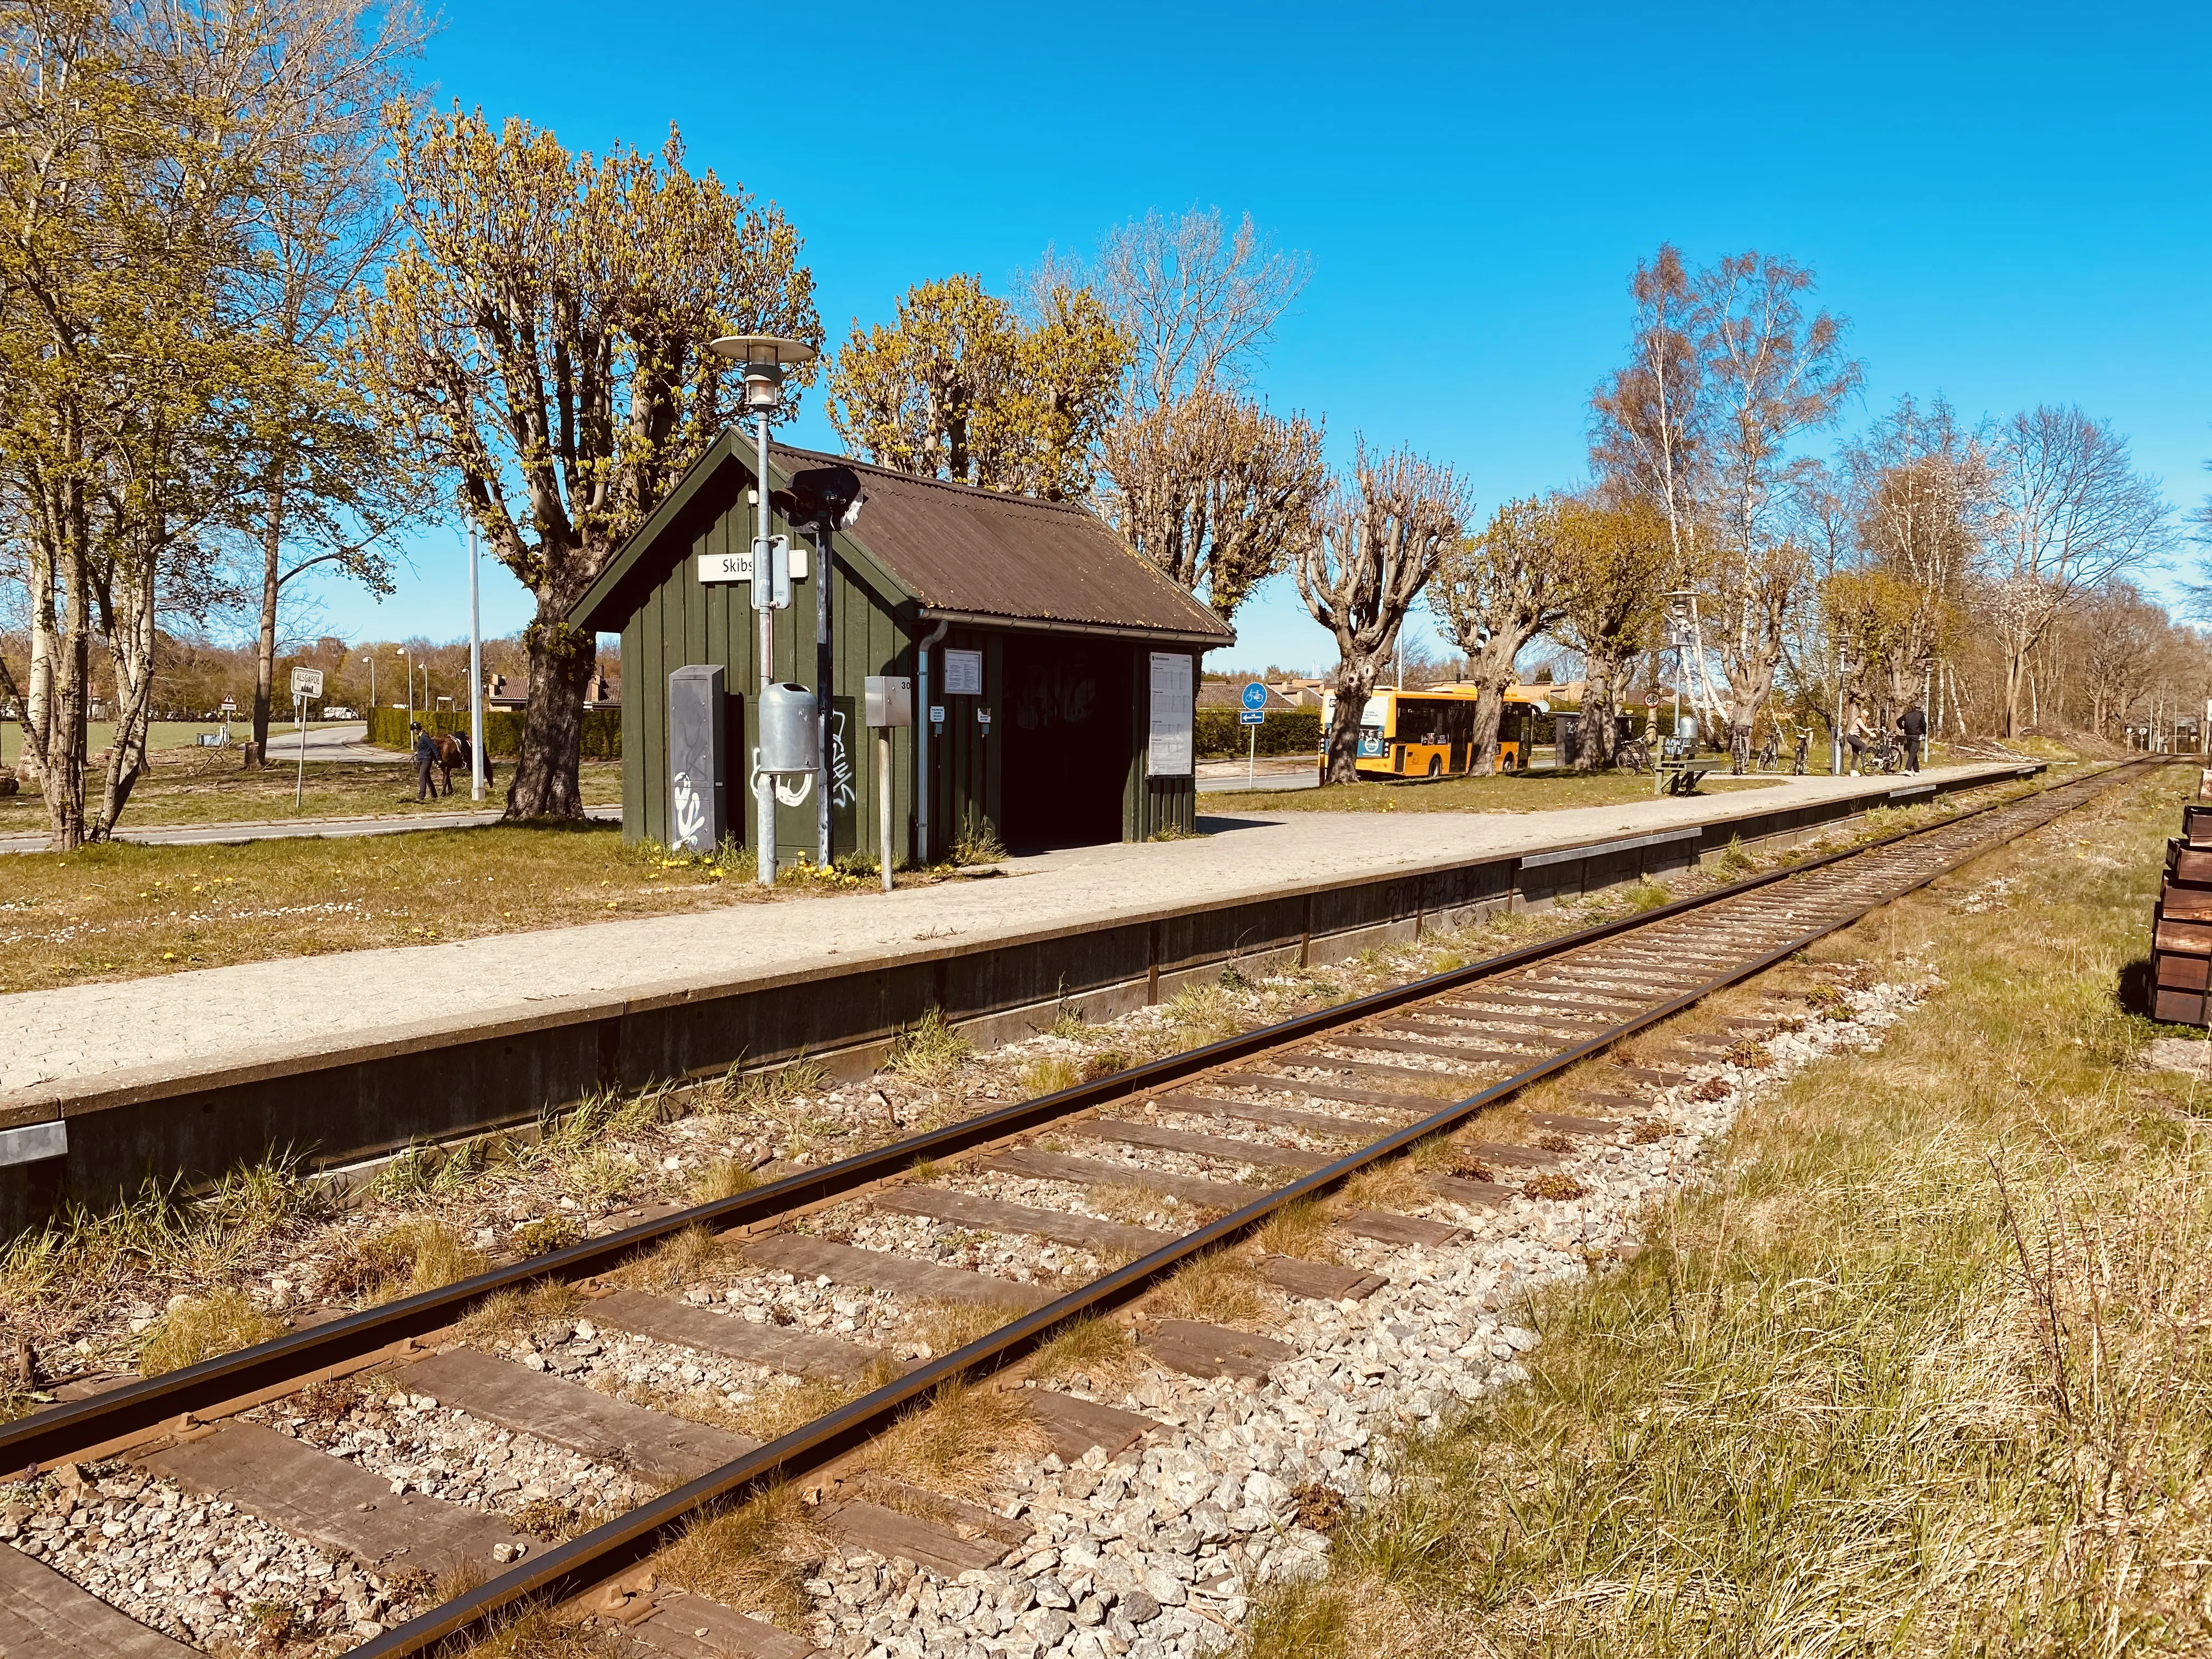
pixel 306 684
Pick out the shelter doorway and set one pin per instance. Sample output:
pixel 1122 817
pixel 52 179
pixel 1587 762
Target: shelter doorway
pixel 1067 726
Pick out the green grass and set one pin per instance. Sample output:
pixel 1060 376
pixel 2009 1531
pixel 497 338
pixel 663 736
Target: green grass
pixel 1922 1370
pixel 189 785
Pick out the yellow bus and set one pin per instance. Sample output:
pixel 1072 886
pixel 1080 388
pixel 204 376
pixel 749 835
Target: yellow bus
pixel 1430 732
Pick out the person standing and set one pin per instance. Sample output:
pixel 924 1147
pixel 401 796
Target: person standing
pixel 1913 724
pixel 426 757
pixel 1857 735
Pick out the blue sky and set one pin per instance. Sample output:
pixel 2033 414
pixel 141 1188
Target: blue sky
pixel 2009 202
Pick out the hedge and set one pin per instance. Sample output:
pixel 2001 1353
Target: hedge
pixel 387 729
pixel 1282 731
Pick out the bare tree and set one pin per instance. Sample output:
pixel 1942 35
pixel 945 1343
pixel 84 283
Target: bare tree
pixel 1215 491
pixel 2071 513
pixel 1497 592
pixel 1380 538
pixel 1198 299
pixel 327 484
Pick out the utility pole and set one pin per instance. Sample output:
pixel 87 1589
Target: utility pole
pixel 476 677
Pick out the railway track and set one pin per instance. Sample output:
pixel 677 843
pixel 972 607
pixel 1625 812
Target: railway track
pixel 1298 1109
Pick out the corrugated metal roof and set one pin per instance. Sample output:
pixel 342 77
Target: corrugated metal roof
pixel 982 554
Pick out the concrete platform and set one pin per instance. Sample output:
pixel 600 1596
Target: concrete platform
pixel 355 1052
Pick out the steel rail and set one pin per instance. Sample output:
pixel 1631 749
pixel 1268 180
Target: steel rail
pixel 62 1432
pixel 609 1550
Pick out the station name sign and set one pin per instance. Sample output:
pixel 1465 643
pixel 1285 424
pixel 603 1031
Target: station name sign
pixel 737 565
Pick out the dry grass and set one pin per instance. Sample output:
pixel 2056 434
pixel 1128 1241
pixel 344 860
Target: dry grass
pixel 505 1314
pixel 930 1051
pixel 1922 1372
pixel 1221 1287
pixel 1101 1349
pixel 1200 1014
pixel 201 1329
pixel 1302 1230
pixel 1050 1074
pixel 1134 1205
pixel 945 1325
pixel 674 1265
pixel 1392 1184
pixel 955 1444
pixel 754 1558
pixel 417 1254
pixel 538 1633
pixel 725 1177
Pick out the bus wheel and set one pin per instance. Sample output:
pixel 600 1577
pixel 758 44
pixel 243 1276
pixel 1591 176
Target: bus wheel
pixel 1436 766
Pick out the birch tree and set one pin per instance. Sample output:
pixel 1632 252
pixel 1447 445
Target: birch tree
pixel 1379 541
pixel 2071 513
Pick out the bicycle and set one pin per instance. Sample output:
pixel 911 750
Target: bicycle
pixel 1739 756
pixel 1804 745
pixel 1770 752
pixel 1633 756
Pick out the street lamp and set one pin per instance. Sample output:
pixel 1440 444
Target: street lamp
pixel 765 357
pixel 369 657
pixel 402 651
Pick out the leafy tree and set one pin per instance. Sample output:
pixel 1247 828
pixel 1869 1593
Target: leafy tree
pixel 1380 538
pixel 135 146
pixel 1612 555
pixel 541 339
pixel 959 387
pixel 1497 592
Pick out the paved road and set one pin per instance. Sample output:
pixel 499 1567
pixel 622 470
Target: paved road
pixel 214 834
pixel 327 743
pixel 1305 778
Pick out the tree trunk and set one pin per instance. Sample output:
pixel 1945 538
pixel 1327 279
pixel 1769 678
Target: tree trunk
pixel 130 650
pixel 264 646
pixel 546 783
pixel 1594 751
pixel 1491 670
pixel 38 693
pixel 1355 680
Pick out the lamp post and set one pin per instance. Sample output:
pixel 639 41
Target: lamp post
pixel 764 357
pixel 402 651
pixel 369 657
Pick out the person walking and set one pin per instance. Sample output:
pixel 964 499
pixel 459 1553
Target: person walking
pixel 426 757
pixel 1857 735
pixel 1913 724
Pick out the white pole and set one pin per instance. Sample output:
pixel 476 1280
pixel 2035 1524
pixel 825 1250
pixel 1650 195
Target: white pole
pixel 476 678
pixel 1251 755
pixel 883 802
pixel 300 781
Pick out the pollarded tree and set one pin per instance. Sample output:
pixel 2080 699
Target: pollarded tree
pixel 1379 541
pixel 1215 491
pixel 1499 591
pixel 542 338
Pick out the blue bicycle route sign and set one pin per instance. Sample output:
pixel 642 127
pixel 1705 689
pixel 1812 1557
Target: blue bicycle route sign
pixel 1255 696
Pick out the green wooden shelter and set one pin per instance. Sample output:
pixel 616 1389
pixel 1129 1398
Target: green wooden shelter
pixel 1063 664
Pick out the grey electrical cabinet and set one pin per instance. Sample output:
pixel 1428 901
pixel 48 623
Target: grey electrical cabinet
pixel 889 699
pixel 698 785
